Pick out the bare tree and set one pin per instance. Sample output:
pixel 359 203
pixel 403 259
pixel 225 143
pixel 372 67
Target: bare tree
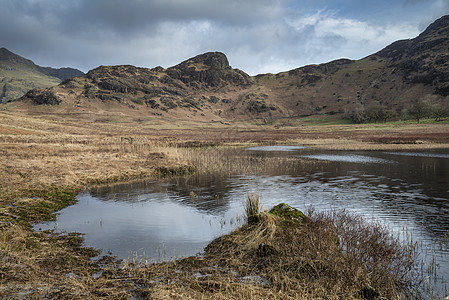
pixel 439 111
pixel 420 110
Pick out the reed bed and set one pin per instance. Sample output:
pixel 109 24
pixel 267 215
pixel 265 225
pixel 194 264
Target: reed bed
pixel 235 160
pixel 252 207
pixel 46 159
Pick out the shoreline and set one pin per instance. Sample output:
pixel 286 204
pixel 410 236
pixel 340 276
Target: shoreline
pixel 45 163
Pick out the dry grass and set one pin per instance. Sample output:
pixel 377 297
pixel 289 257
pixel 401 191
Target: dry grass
pixel 64 155
pixel 252 207
pixel 328 256
pixel 331 255
pixel 46 159
pixel 44 163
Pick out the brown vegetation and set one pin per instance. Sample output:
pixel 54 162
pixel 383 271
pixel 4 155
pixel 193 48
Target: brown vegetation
pixel 47 159
pixel 381 87
pixel 324 256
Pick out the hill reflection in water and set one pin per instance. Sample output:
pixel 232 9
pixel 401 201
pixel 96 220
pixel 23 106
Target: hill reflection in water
pixel 180 216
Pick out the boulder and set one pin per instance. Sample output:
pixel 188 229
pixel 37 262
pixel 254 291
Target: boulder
pixel 288 214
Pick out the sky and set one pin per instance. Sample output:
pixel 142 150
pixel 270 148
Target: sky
pixel 257 36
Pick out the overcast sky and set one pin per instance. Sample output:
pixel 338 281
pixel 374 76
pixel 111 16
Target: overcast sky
pixel 258 36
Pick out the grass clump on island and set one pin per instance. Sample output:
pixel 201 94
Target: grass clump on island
pixel 285 254
pixel 333 254
pixel 46 160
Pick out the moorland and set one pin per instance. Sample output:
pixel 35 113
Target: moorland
pixel 123 123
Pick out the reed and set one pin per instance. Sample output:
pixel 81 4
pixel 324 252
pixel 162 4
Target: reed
pixel 252 207
pixel 332 256
pixel 235 160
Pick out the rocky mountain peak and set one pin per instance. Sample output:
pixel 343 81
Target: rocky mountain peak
pixel 8 56
pixel 211 69
pixel 437 27
pixel 423 59
pixel 212 60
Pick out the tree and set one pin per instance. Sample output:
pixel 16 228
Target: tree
pixel 420 110
pixel 359 116
pixel 439 112
pixel 380 113
pixel 388 114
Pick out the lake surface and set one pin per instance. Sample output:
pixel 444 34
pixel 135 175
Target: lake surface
pixel 161 220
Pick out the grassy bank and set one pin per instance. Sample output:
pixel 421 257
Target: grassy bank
pixel 283 255
pixel 47 160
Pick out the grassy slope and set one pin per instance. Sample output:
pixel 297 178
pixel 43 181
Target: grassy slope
pixel 17 79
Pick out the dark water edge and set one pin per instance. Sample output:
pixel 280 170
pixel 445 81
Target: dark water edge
pixel 161 220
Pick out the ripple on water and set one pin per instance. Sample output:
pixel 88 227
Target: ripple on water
pixel 351 158
pixel 275 148
pixel 420 154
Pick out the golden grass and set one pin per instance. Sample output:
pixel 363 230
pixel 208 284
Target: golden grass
pixel 46 159
pixel 347 144
pixel 320 258
pixel 252 207
pixel 43 163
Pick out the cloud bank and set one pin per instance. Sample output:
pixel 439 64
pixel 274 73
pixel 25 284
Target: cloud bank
pixel 258 36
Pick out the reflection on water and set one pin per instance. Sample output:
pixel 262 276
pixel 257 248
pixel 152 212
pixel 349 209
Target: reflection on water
pixel 179 217
pixel 348 158
pixel 420 154
pixel 275 148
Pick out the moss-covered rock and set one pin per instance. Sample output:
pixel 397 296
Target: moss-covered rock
pixel 288 214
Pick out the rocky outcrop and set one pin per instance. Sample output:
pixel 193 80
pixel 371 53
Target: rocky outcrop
pixel 40 97
pixel 423 59
pixel 211 69
pixel 181 87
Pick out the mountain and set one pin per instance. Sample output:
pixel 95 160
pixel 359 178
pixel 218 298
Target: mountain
pixel 19 75
pixel 206 87
pixel 199 86
pixel 392 79
pixel 424 59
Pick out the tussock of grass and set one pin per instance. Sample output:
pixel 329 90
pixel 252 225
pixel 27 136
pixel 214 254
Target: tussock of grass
pixel 252 207
pixel 47 158
pixel 332 255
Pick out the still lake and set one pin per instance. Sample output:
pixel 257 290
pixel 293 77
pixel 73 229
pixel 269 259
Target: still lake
pixel 161 220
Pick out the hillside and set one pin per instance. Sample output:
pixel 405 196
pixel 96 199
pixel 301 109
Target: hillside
pixel 19 75
pixel 207 88
pixel 392 79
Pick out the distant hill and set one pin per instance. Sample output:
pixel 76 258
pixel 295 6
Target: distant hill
pixel 392 79
pixel 206 87
pixel 18 75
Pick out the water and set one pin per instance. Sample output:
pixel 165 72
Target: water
pixel 406 191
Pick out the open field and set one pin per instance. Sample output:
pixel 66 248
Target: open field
pixel 47 159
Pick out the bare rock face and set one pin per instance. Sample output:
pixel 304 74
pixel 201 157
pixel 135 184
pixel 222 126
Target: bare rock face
pixel 45 96
pixel 211 69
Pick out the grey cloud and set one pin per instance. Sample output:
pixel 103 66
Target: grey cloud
pixel 137 15
pixel 80 29
pixel 255 34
